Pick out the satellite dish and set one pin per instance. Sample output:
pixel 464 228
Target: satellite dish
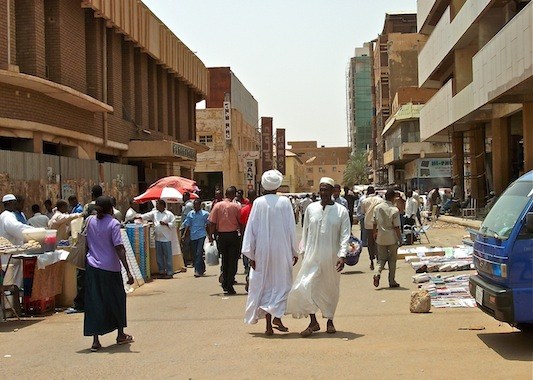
pixel 310 160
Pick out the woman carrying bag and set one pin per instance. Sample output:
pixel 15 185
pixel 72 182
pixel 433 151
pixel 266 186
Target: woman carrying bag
pixel 105 298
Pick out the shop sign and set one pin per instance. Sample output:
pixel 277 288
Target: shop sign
pixel 435 168
pixel 180 150
pixel 280 150
pixel 227 121
pixel 250 171
pixel 266 143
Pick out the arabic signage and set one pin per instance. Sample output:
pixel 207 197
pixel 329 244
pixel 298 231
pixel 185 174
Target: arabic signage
pixel 435 168
pixel 227 121
pixel 180 150
pixel 266 143
pixel 280 150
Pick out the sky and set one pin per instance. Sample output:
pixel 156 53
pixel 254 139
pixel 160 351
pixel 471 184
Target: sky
pixel 291 55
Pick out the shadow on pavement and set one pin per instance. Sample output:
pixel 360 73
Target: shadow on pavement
pixel 113 349
pixel 393 289
pixel 340 335
pixel 510 346
pixel 228 295
pixel 350 272
pixel 12 324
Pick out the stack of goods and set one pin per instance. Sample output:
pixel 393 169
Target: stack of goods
pixel 138 237
pixel 448 291
pixel 455 259
pixel 6 247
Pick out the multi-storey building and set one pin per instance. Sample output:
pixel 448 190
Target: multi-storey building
pixel 394 54
pixel 359 100
pixel 479 55
pixel 404 150
pixel 229 127
pixel 320 162
pixel 85 85
pixel 294 178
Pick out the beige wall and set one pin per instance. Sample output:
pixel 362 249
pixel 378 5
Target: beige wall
pixel 223 156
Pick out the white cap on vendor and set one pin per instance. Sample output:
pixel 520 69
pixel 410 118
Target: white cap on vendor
pixel 327 181
pixel 271 180
pixel 8 198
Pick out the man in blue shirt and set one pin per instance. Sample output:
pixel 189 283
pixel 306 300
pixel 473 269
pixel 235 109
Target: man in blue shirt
pixel 75 206
pixel 195 224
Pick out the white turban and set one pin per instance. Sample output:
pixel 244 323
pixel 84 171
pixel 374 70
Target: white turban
pixel 271 180
pixel 327 181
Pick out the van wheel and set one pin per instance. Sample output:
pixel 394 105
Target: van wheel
pixel 525 327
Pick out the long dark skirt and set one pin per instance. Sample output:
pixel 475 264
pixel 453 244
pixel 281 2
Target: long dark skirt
pixel 105 302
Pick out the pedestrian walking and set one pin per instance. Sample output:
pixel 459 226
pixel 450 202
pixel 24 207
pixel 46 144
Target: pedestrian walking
pixel 105 298
pixel 367 208
pixel 188 254
pixel 195 230
pixel 225 219
pixel 303 206
pixel 386 231
pixel 245 215
pixel 270 244
pixel 324 239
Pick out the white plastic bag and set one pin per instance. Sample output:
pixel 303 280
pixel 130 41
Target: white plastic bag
pixel 211 253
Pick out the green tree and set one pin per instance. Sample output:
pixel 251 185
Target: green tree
pixel 356 172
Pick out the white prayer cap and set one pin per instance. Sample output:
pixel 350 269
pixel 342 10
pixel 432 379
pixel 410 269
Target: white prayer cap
pixel 327 181
pixel 8 197
pixel 271 180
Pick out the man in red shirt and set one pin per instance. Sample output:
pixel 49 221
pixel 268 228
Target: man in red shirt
pixel 225 219
pixel 245 214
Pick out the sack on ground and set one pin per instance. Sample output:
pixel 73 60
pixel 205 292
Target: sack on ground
pixel 211 253
pixel 420 302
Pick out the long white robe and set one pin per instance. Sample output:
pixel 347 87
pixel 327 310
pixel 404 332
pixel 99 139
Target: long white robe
pixel 269 240
pixel 324 239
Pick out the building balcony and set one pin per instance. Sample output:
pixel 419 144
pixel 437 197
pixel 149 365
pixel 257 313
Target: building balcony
pixel 54 90
pixel 503 68
pixel 446 36
pixel 502 73
pixel 428 13
pixel 412 150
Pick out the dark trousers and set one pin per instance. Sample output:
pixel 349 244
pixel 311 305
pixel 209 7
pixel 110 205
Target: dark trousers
pixel 228 244
pixel 79 300
pixel 372 245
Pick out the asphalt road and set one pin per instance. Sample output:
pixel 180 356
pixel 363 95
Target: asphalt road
pixel 186 328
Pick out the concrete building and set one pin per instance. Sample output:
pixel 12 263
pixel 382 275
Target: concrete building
pixel 479 55
pixel 359 100
pixel 320 162
pixel 95 82
pixel 394 55
pixel 228 160
pixel 294 179
pixel 403 147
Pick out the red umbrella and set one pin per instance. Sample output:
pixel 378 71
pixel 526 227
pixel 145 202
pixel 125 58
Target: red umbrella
pixel 163 189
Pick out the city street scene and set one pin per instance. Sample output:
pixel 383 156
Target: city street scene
pixel 249 189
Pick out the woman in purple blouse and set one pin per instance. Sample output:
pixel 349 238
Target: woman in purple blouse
pixel 105 298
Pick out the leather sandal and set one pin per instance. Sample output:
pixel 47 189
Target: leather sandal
pixel 126 339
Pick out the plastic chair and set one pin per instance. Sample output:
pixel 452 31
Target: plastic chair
pixel 417 232
pixel 470 210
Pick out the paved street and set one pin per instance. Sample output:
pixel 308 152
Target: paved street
pixel 185 328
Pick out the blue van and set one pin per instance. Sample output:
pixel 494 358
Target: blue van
pixel 503 257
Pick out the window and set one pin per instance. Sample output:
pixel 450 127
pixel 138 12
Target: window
pixel 311 183
pixel 206 139
pixel 309 170
pixel 320 169
pixel 334 169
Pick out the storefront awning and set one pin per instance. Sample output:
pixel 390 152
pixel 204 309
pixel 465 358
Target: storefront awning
pixel 161 150
pixel 54 90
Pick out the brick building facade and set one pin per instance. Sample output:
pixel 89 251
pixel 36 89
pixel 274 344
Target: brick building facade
pixel 98 80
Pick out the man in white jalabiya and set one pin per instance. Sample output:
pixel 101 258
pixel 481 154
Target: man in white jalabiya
pixel 324 240
pixel 270 244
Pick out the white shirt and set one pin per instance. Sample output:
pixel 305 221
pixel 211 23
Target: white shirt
pixel 367 208
pixel 11 228
pixel 305 203
pixel 61 223
pixel 162 232
pixel 130 215
pixel 411 207
pixel 38 220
